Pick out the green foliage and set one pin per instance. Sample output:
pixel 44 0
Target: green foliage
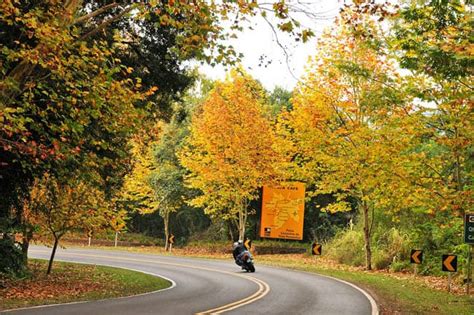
pixel 347 248
pixel 11 259
pixel 218 231
pixel 400 266
pixel 279 100
pixel 435 37
pixel 390 245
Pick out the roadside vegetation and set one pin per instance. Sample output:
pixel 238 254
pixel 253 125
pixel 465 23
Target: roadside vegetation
pixel 73 282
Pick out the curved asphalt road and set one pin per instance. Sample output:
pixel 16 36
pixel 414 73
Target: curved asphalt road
pixel 212 287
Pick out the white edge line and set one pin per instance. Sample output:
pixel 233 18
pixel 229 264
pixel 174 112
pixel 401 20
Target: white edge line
pixel 373 304
pixel 173 285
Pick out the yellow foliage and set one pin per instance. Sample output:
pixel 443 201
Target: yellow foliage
pixel 230 150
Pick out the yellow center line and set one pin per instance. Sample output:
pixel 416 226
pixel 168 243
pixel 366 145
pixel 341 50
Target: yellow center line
pixel 263 290
pixel 263 287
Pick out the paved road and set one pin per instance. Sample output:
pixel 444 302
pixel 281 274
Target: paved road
pixel 212 287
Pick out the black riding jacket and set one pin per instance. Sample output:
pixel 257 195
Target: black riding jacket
pixel 238 250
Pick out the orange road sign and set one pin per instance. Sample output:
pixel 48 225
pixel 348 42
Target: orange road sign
pixel 283 211
pixel 171 239
pixel 248 244
pixel 450 263
pixel 416 256
pixel 317 249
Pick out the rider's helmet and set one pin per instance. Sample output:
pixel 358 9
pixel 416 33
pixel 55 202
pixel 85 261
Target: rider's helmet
pixel 236 244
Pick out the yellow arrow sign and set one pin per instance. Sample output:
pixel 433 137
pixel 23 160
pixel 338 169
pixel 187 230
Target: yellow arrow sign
pixel 450 263
pixel 171 239
pixel 416 256
pixel 317 249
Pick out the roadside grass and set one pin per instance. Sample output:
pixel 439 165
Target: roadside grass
pixel 71 282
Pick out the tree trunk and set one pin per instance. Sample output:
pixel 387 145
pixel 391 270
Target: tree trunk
pixel 231 229
pixel 25 243
pixel 55 246
pixel 367 237
pixel 243 214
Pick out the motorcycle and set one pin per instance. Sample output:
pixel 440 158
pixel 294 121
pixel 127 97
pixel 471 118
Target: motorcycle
pixel 246 262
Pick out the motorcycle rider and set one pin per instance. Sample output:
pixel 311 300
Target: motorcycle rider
pixel 238 251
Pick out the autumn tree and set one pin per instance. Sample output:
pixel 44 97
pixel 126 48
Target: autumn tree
pixel 229 152
pixel 59 208
pixel 155 183
pixel 136 193
pixel 342 134
pixel 63 107
pixel 433 41
pixel 167 179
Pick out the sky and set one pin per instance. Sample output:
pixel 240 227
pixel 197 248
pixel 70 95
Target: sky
pixel 260 46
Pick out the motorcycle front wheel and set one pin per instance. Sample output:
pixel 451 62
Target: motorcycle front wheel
pixel 250 267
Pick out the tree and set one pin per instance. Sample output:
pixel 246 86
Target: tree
pixel 58 208
pixel 63 108
pixel 343 134
pixel 167 179
pixel 229 152
pixel 433 41
pixel 136 191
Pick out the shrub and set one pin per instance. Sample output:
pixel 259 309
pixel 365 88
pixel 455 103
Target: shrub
pixel 389 246
pixel 397 266
pixel 348 248
pixel 11 259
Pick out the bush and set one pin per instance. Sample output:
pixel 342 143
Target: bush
pixel 11 259
pixel 348 248
pixel 397 266
pixel 389 246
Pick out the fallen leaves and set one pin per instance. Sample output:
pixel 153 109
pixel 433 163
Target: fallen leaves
pixel 65 282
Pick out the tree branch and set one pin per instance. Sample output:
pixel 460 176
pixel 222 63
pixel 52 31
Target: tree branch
pixel 86 17
pixel 106 23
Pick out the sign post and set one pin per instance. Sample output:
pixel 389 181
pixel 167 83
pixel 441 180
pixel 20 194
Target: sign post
pixel 89 237
pixel 469 270
pixel 171 241
pixel 469 239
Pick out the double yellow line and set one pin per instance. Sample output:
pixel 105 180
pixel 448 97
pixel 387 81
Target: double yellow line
pixel 263 287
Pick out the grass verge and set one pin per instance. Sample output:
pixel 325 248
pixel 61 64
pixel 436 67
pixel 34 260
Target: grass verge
pixel 70 282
